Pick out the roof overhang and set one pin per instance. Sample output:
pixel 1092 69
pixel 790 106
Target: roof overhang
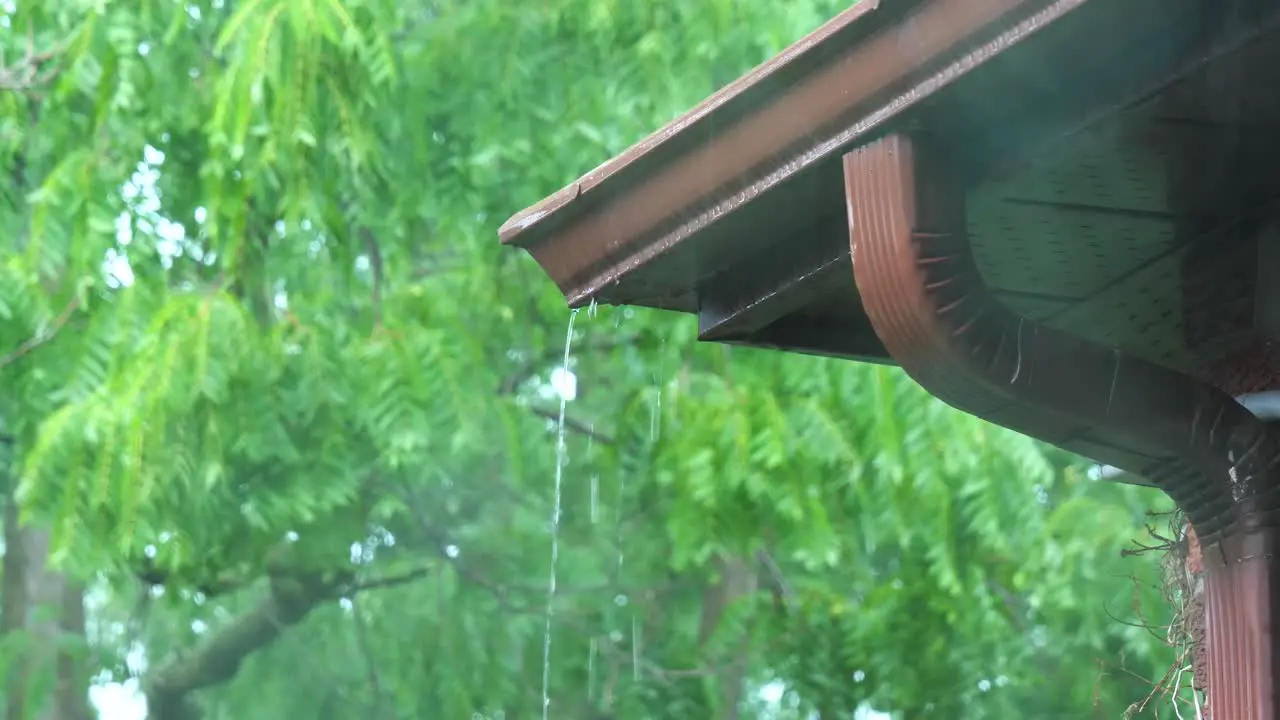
pixel 734 211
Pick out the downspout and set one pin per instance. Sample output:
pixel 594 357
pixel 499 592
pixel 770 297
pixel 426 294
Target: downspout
pixel 1264 405
pixel 927 302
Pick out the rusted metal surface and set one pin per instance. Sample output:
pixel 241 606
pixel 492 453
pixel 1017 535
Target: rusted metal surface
pixel 922 291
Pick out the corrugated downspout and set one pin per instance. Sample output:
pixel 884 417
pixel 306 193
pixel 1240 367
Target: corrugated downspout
pixel 927 302
pixel 1264 405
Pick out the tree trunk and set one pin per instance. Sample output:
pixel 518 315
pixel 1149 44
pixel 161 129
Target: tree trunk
pixel 13 611
pixel 73 671
pixel 737 580
pixel 45 608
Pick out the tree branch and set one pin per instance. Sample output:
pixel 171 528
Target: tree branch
pixel 553 355
pixel 41 338
pixel 375 265
pixel 389 581
pixel 371 665
pixel 503 592
pixel 219 657
pixel 32 70
pixel 573 424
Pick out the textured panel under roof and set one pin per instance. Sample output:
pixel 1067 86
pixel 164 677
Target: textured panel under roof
pixel 1083 240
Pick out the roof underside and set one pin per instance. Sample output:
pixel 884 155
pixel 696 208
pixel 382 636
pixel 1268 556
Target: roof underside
pixel 1109 146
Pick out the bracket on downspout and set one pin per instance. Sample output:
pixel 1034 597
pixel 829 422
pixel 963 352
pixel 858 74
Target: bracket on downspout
pixel 1264 405
pixel 929 305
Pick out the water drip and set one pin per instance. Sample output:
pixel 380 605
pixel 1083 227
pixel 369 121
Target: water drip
pixel 555 529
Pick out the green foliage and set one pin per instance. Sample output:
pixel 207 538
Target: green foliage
pixel 318 362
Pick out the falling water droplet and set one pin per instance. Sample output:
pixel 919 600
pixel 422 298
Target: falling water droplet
pixel 555 529
pixel 635 649
pixel 595 477
pixel 617 527
pixel 655 411
pixel 595 498
pixel 591 671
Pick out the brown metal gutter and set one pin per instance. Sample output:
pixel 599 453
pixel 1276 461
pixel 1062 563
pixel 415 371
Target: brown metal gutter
pixel 869 63
pixel 734 211
pixel 928 304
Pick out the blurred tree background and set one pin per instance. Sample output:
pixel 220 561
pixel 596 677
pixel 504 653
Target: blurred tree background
pixel 278 414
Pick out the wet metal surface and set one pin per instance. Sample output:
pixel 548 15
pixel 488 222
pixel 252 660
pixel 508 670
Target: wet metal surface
pixel 1241 606
pixel 696 217
pixel 921 288
pixel 833 87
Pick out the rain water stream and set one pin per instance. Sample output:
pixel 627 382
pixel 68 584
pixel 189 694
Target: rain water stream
pixel 555 528
pixel 566 390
